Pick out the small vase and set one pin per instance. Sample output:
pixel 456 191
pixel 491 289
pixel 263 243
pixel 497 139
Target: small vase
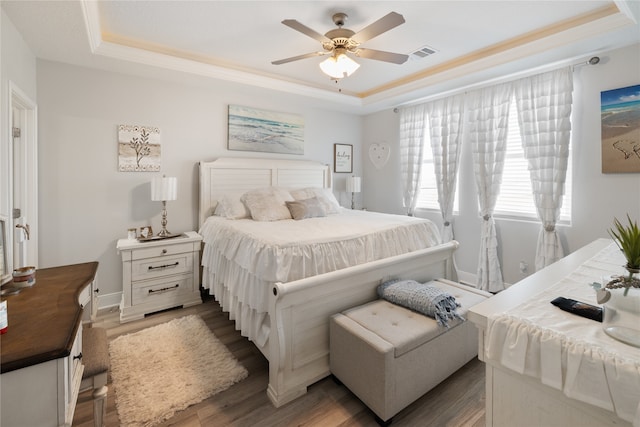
pixel 621 318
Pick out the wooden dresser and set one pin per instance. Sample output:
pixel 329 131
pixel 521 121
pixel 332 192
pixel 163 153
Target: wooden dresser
pixel 41 353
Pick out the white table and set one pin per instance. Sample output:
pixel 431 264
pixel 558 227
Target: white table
pixel 514 399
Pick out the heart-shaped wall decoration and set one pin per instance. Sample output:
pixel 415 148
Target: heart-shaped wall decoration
pixel 379 154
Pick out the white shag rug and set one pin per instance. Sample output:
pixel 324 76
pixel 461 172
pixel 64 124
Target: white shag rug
pixel 166 368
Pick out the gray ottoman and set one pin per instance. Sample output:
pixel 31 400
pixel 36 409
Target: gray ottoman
pixel 389 356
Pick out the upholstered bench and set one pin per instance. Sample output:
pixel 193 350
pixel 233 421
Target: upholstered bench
pixel 389 356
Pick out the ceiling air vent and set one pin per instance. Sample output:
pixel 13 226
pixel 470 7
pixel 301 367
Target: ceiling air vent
pixel 422 52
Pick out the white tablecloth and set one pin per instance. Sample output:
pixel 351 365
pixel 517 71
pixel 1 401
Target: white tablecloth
pixel 568 352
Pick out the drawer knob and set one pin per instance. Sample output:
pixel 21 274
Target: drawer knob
pixel 164 251
pixel 79 356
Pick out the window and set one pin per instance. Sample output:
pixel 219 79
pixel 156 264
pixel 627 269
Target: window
pixel 515 199
pixel 428 195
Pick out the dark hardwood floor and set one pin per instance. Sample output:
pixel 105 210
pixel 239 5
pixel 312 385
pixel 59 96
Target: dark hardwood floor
pixel 458 401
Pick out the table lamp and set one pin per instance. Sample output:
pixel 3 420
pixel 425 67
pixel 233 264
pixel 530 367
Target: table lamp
pixel 164 189
pixel 354 185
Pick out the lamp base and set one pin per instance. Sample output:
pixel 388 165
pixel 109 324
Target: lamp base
pixel 164 233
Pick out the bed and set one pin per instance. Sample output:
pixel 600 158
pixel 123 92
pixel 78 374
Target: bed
pixel 281 280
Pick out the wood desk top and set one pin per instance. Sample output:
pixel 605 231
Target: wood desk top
pixel 44 319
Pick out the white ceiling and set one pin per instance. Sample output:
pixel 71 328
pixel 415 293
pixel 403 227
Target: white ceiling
pixel 237 40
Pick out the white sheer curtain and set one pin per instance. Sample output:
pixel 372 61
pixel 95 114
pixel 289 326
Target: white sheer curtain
pixel 544 110
pixel 445 129
pixel 412 127
pixel 488 115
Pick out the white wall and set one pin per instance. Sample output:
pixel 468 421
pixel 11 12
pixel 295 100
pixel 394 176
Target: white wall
pixel 597 198
pixel 18 65
pixel 86 205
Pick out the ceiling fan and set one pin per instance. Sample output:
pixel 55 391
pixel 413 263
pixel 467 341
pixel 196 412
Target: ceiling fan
pixel 341 41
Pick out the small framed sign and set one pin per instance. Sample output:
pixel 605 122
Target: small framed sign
pixel 343 158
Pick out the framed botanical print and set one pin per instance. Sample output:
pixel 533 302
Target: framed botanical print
pixel 343 158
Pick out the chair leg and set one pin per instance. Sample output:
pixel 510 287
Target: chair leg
pixel 100 406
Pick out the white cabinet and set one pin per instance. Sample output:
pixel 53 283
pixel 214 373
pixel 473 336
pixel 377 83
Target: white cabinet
pixel 42 350
pixel 514 399
pixel 54 385
pixel 159 274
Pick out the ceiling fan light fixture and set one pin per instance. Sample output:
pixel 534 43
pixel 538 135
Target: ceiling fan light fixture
pixel 339 65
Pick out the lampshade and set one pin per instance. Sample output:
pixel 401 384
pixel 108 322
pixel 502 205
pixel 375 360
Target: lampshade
pixel 339 65
pixel 354 184
pixel 164 188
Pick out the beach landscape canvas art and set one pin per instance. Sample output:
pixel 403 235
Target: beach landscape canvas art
pixel 252 129
pixel 620 117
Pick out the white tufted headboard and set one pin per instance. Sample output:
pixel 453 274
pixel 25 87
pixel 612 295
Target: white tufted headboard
pixel 243 174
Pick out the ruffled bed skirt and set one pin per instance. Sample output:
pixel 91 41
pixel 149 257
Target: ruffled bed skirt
pixel 240 268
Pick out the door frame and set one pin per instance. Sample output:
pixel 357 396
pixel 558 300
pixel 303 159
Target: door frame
pixel 27 120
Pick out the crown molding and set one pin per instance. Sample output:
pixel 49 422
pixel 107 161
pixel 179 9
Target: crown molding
pixel 613 16
pixel 108 49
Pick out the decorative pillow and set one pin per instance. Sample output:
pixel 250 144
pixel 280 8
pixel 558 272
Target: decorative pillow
pixel 307 208
pixel 324 195
pixel 424 298
pixel 232 207
pixel 268 204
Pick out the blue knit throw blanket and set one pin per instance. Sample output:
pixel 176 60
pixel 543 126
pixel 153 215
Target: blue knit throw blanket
pixel 423 298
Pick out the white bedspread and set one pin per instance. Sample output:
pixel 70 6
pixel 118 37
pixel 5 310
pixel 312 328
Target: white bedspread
pixel 568 352
pixel 242 257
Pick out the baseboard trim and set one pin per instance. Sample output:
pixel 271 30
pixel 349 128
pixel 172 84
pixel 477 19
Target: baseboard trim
pixel 109 300
pixel 467 278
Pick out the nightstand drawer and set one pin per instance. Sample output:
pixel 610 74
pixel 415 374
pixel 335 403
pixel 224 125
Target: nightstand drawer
pixel 161 267
pixel 161 251
pixel 161 291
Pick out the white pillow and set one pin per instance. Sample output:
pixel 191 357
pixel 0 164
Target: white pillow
pixel 307 208
pixel 324 195
pixel 268 204
pixel 232 207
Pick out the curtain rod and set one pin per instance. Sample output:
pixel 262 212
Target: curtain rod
pixel 513 76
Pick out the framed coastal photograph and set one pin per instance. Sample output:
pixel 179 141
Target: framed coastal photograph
pixel 252 129
pixel 620 124
pixel 343 158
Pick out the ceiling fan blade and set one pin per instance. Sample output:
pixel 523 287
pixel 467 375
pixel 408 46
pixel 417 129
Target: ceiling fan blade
pixel 380 55
pixel 296 58
pixel 292 23
pixel 382 25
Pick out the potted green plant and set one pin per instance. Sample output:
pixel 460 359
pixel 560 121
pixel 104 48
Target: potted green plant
pixel 621 318
pixel 627 237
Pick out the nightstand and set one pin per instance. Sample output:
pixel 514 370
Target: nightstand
pixel 159 274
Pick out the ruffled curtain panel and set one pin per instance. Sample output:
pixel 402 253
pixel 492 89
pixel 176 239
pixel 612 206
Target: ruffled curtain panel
pixel 544 110
pixel 412 130
pixel 488 118
pixel 445 128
